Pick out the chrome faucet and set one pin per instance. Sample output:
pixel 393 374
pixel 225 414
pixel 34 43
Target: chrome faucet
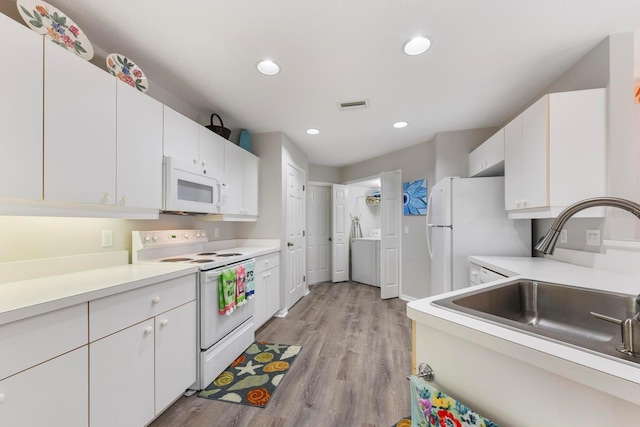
pixel 547 244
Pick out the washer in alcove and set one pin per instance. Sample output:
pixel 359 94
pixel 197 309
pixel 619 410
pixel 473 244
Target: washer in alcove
pixel 365 260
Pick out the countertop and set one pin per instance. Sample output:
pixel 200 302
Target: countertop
pixel 620 378
pixel 20 299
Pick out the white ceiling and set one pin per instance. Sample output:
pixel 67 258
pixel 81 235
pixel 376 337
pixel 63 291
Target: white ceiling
pixel 488 58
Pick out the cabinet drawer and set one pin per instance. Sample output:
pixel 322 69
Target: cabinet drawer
pixel 113 313
pixel 266 262
pixel 31 341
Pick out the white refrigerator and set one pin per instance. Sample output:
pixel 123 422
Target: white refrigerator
pixel 466 216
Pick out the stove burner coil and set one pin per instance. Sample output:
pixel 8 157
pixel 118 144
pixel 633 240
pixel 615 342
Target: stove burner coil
pixel 175 259
pixel 207 253
pixel 230 254
pixel 202 260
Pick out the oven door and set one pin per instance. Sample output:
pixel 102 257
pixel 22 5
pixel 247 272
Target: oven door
pixel 187 188
pixel 213 325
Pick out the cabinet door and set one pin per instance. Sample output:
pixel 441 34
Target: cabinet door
pixel 175 353
pixel 513 164
pixel 273 291
pixel 535 149
pixel 20 112
pixel 54 393
pixel 211 152
pixel 250 183
pixel 139 149
pixel 79 129
pixel 180 136
pixel 260 316
pixel 234 177
pixel 121 369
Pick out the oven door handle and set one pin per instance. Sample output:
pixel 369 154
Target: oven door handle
pixel 212 276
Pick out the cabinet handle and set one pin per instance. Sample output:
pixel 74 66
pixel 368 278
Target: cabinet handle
pixel 106 197
pixel 165 322
pixel 148 330
pixel 125 199
pixel 268 274
pixel 1 397
pixel 267 261
pixel 195 161
pixel 155 300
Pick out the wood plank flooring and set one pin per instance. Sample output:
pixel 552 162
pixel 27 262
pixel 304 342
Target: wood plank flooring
pixel 351 371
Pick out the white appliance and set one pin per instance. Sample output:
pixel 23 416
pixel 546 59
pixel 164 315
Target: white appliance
pixel 189 188
pixel 466 216
pixel 365 260
pixel 221 338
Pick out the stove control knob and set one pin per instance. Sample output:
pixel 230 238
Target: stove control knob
pixel 154 238
pixel 185 236
pixel 146 238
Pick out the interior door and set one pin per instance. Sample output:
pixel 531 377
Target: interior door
pixel 340 234
pixel 318 233
pixel 391 201
pixel 295 262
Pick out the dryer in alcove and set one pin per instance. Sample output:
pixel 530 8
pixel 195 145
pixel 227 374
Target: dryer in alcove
pixel 365 259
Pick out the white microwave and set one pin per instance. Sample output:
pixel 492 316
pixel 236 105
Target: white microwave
pixel 188 188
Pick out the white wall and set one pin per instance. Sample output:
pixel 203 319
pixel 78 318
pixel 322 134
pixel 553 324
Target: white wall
pixel 318 173
pixel 453 148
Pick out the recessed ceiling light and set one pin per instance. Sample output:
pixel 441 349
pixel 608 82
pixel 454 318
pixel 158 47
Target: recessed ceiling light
pixel 399 125
pixel 313 131
pixel 417 45
pixel 268 67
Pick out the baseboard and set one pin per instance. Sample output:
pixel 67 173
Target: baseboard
pixel 407 298
pixel 281 313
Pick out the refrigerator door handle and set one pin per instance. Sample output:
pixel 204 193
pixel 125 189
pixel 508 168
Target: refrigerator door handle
pixel 429 225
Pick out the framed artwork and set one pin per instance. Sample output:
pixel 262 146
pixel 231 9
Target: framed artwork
pixel 415 197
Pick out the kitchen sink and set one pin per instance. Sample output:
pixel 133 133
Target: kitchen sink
pixel 552 311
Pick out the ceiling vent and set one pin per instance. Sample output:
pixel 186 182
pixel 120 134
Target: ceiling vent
pixel 353 105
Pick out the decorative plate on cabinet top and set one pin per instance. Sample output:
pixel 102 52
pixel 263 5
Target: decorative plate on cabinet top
pixel 127 71
pixel 45 19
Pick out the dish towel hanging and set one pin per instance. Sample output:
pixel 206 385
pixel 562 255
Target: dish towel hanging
pixel 430 407
pixel 241 276
pixel 250 285
pixel 227 291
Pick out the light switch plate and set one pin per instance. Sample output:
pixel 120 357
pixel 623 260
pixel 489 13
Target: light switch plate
pixel 107 238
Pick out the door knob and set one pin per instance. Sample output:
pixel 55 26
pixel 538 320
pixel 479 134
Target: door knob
pixel 289 244
pixel 330 239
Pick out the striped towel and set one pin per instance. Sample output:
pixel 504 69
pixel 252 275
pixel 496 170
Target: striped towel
pixel 250 284
pixel 241 275
pixel 431 407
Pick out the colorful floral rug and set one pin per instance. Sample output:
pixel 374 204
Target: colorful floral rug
pixel 253 377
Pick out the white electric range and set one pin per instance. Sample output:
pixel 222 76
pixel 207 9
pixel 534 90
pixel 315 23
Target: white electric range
pixel 221 338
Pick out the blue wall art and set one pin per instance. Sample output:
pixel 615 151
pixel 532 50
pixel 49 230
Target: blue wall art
pixel 415 197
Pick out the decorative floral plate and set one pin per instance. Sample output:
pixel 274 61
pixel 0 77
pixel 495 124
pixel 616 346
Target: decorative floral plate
pixel 45 19
pixel 125 69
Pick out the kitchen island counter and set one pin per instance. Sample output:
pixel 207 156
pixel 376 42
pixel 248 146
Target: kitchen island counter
pixel 500 371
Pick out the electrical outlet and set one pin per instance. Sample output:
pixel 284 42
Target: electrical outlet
pixel 107 238
pixel 563 236
pixel 593 237
pixel 216 232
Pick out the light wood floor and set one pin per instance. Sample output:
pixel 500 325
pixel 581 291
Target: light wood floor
pixel 351 371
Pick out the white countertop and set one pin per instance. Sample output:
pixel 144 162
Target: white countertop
pixel 619 376
pixel 26 298
pixel 65 286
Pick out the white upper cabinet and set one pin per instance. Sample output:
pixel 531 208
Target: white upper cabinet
pixel 188 140
pixel 180 136
pixel 241 176
pixel 211 152
pixel 79 130
pixel 555 154
pixel 139 149
pixel 20 112
pixel 488 158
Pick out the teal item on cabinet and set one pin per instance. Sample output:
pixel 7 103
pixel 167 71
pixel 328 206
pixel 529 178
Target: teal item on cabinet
pixel 245 140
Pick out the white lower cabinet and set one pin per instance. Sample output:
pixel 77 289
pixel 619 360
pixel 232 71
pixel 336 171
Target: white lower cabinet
pixel 121 372
pixel 267 284
pixel 175 354
pixel 52 394
pixel 143 351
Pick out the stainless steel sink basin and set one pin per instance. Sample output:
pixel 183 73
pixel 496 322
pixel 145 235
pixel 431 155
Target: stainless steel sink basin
pixel 552 311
